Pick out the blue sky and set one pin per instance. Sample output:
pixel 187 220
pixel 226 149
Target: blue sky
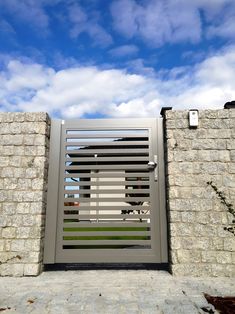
pixel 116 58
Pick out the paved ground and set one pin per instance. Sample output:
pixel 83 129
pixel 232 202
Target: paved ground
pixel 110 291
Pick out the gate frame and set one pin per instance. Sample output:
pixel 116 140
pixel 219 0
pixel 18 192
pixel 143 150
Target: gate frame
pixel 54 183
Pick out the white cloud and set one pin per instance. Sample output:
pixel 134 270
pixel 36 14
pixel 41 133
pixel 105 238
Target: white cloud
pixel 124 51
pixel 171 21
pixel 75 92
pixel 82 23
pixel 30 12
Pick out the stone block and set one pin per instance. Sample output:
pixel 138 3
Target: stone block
pixel 199 270
pixel 40 140
pixel 24 184
pixel 2 245
pixel 4 220
pixel 28 220
pixel 232 155
pixel 209 144
pixel 208 114
pixel 23 208
pixel 8 208
pixel 19 173
pixel 7 172
pixel 197 243
pixel 16 220
pixel 231 168
pixel 19 117
pixel 229 181
pixel 10 183
pixel 205 230
pixel 32 269
pixel 175 243
pixel 41 151
pixel 18 245
pixel 30 150
pixel 189 256
pixel 38 184
pixel 221 270
pixel 182 229
pixel 181 123
pixel 35 232
pixel 229 244
pixel 15 270
pixel 209 256
pixel 3 196
pixel 4 161
pixel 173 257
pixel 23 232
pixel 32 245
pixel 37 208
pixel 230 144
pixel 9 232
pixel 185 156
pixel 224 257
pixel 188 217
pixel 29 139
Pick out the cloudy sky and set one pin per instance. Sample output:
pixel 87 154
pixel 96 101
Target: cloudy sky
pixel 116 58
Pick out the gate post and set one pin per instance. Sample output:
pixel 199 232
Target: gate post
pixel 199 245
pixel 24 148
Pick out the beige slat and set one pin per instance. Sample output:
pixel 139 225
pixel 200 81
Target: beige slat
pixel 107 143
pixel 110 216
pixel 105 233
pixel 113 224
pixel 108 174
pixel 87 208
pixel 107 199
pixel 108 191
pixel 106 242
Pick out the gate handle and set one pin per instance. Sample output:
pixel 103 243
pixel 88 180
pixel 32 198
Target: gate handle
pixel 152 165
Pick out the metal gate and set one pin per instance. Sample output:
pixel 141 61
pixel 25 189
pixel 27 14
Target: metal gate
pixel 106 192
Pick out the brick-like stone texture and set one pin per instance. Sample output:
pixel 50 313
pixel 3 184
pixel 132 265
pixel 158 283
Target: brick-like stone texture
pixel 24 146
pixel 199 245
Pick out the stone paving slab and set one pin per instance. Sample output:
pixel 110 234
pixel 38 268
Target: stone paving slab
pixel 111 292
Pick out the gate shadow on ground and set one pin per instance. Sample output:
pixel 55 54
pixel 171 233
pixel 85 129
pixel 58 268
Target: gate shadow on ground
pixel 106 266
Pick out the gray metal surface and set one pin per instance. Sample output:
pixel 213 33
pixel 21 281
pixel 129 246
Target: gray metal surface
pixel 108 204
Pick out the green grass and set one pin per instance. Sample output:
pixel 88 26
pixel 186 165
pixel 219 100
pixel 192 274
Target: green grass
pixel 106 237
pixel 103 237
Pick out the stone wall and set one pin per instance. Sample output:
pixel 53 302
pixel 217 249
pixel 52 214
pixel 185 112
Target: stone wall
pixel 199 245
pixel 24 144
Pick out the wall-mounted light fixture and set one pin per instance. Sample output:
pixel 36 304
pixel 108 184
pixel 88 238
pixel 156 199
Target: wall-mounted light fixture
pixel 193 118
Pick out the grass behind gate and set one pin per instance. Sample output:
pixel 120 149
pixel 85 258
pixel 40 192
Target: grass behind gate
pixel 106 237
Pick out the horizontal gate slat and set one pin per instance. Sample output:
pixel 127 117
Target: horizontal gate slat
pixel 107 199
pixel 106 242
pixel 123 224
pixel 108 135
pixel 108 174
pixel 108 191
pixel 106 167
pixel 107 143
pixel 110 159
pixel 110 216
pixel 106 233
pixel 108 151
pixel 106 208
pixel 106 183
